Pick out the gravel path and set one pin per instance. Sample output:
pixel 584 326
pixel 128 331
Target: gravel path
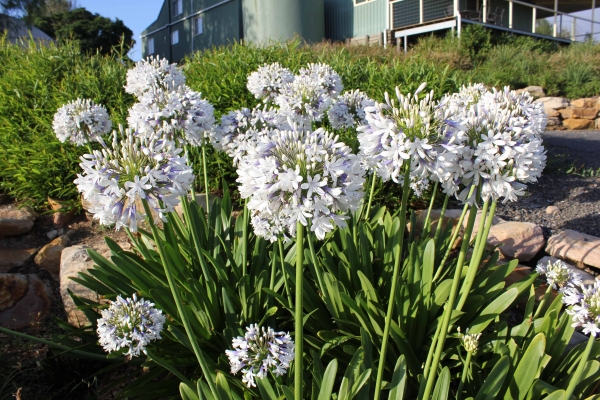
pixel 576 197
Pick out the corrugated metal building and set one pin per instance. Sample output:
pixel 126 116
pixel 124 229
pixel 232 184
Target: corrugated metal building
pixel 185 26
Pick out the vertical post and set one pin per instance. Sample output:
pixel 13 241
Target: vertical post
pixel 405 44
pixel 555 17
pixel 484 11
pixel 593 20
pixel 458 25
pixel 533 19
pixel 456 8
pixel 420 11
pixel 573 24
pixel 388 20
pixel 510 14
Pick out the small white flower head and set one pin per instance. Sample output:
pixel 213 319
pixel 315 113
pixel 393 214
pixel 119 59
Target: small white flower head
pixel 117 178
pixel 260 351
pixel 300 176
pixel 129 324
pixel 180 115
pixel 585 306
pixel 81 121
pixel 403 133
pixel 266 83
pixel 325 77
pixel 558 275
pixel 303 101
pixel 348 110
pixel 469 341
pixel 153 75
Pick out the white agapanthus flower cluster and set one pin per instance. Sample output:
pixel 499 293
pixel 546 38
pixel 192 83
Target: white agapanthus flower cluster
pixel 81 121
pixel 470 341
pixel 403 133
pixel 153 75
pixel 259 351
pixel 297 176
pixel 244 129
pixel 129 324
pixel 266 83
pixel 179 114
pixel 348 110
pixel 558 275
pixel 493 140
pixel 117 178
pixel 325 77
pixel 585 302
pixel 304 100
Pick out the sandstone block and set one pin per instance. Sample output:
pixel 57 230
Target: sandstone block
pixel 554 121
pixel 553 103
pixel 585 102
pixel 62 216
pixel 15 221
pixel 575 247
pixel 586 277
pixel 551 210
pixel 579 113
pixel 551 112
pixel 495 221
pixel 597 123
pixel 520 240
pixel 12 258
pixel 24 300
pixel 535 91
pixel 48 257
pixel 450 216
pixel 577 124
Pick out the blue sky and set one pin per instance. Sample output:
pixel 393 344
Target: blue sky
pixel 136 14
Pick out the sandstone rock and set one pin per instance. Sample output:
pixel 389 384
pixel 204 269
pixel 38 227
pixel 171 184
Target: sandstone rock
pixel 577 124
pixel 24 300
pixel 553 113
pixel 450 216
pixel 520 240
pixel 15 221
pixel 62 216
pixel 73 260
pixel 585 103
pixel 575 247
pixel 597 123
pixel 551 210
pixel 12 258
pixel 535 91
pixel 553 103
pixel 495 221
pixel 554 121
pixel 48 257
pixel 586 277
pixel 579 113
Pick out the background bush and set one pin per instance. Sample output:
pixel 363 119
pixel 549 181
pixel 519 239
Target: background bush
pixel 36 81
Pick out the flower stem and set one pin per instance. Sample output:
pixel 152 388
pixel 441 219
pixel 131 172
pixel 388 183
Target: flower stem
pixel 206 190
pixel 244 238
pixel 298 369
pixel 176 296
pixel 582 361
pixel 426 227
pixel 392 298
pixel 432 373
pixel 193 186
pixel 373 181
pixel 463 377
pixel 285 279
pixel 432 349
pixel 440 224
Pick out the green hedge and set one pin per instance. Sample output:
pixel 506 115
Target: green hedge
pixel 36 80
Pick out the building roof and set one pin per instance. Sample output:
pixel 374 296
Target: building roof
pixel 18 29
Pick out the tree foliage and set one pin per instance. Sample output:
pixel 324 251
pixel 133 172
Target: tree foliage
pixel 93 31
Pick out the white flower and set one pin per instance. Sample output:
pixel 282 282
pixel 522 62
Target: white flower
pixel 260 351
pixel 266 83
pixel 304 100
pixel 325 77
pixel 585 306
pixel 297 176
pixel 129 324
pixel 115 179
pixel 558 275
pixel 348 110
pixel 469 341
pixel 153 75
pixel 81 121
pixel 179 114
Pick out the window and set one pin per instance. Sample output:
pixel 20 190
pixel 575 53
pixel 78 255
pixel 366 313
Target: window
pixel 198 26
pixel 359 2
pixel 177 7
pixel 151 46
pixel 175 37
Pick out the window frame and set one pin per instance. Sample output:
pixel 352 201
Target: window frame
pixel 177 7
pixel 151 45
pixel 174 35
pixel 196 19
pixel 362 3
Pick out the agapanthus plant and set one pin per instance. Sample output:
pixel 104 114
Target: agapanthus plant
pixel 153 75
pixel 325 77
pixel 116 179
pixel 301 176
pixel 260 351
pixel 81 121
pixel 348 110
pixel 266 83
pixel 585 300
pixel 129 324
pixel 558 275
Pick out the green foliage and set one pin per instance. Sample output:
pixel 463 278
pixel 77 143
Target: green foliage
pixel 92 31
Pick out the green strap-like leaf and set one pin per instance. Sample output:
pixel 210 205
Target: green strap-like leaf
pixel 527 370
pixel 398 385
pixel 493 384
pixel 328 381
pixel 442 386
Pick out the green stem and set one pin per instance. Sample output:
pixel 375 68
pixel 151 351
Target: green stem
pixel 272 284
pixel 392 298
pixel 463 377
pixel 89 147
pixel 298 355
pixel 542 304
pixel 438 228
pixel 582 361
pixel 426 227
pixel 313 258
pixel 373 180
pixel 177 297
pixel 432 374
pixel 285 279
pixel 206 190
pixel 245 239
pixel 193 188
pixel 431 349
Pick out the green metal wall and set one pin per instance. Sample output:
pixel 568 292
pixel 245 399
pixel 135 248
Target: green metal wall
pixel 221 26
pixel 344 20
pixel 161 38
pixel 266 20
